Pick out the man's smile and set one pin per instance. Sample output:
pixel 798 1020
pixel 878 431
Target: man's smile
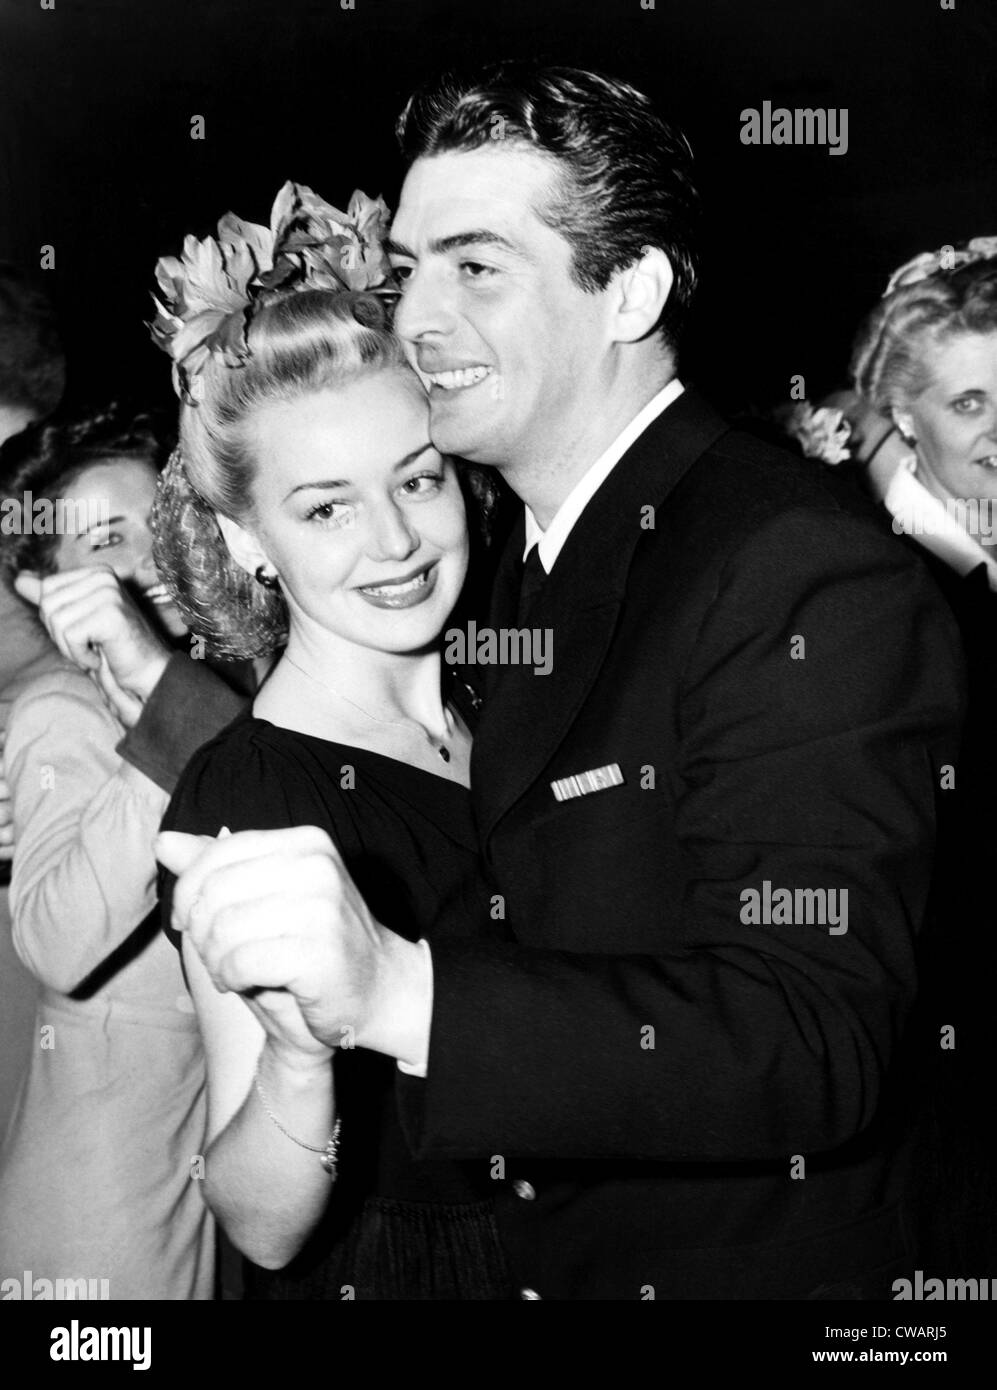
pixel 458 378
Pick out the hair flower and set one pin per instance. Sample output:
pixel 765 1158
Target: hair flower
pixel 981 248
pixel 822 434
pixel 208 294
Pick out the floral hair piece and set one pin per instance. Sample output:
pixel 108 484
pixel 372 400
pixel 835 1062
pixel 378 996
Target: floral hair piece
pixel 822 434
pixel 981 248
pixel 209 293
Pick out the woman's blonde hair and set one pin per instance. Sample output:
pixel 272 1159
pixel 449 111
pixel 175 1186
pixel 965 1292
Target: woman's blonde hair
pixel 299 343
pixel 890 364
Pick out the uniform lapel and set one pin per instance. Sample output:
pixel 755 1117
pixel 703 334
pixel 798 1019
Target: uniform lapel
pixel 526 716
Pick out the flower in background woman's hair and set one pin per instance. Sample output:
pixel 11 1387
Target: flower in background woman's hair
pixel 208 293
pixel 822 434
pixel 981 248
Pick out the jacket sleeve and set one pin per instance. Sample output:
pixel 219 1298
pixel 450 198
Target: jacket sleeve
pixel 742 1040
pixel 84 822
pixel 190 704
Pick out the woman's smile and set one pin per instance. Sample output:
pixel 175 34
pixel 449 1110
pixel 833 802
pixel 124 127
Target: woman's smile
pixel 404 592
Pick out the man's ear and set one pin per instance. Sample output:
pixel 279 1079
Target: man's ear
pixel 242 545
pixel 644 287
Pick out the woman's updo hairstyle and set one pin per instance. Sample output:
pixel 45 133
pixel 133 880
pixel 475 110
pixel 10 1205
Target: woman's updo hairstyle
pixel 298 343
pixel 890 364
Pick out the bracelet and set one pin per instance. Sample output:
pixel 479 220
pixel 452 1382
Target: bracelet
pixel 329 1154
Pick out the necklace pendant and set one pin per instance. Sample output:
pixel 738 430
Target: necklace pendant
pixel 444 754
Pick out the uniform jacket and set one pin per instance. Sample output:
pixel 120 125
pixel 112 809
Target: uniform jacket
pixel 680 1100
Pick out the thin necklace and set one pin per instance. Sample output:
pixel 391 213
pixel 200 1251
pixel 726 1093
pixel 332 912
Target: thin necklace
pixel 409 725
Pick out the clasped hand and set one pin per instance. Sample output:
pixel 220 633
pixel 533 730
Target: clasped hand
pixel 276 910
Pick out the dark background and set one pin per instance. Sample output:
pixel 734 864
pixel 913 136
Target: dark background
pixel 96 159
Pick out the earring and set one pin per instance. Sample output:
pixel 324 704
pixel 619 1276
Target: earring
pixel 269 581
pixel 910 462
pixel 904 430
pixel 912 459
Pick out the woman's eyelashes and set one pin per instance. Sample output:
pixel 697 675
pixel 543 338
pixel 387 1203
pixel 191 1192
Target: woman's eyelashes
pixel 105 540
pixel 967 405
pixel 423 484
pixel 339 512
pixel 329 513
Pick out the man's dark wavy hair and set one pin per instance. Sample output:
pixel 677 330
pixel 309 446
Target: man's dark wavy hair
pixel 626 175
pixel 32 363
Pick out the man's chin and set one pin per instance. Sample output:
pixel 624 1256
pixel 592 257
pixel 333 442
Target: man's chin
pixel 452 440
pixel 454 427
pixel 464 438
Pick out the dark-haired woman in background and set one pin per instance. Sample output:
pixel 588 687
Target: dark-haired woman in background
pixel 924 366
pixel 99 1165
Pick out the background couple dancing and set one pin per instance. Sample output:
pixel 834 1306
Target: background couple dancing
pixel 527 1035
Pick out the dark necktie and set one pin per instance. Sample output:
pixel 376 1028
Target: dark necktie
pixel 534 575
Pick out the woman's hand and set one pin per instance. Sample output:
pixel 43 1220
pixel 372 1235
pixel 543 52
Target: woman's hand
pixel 92 620
pixel 288 1035
pixel 278 910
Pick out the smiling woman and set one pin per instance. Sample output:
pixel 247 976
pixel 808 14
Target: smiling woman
pixel 307 506
pixel 926 358
pixel 75 469
pixel 276 472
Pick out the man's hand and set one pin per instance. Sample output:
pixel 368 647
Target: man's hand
pixel 6 810
pixel 277 910
pixel 92 620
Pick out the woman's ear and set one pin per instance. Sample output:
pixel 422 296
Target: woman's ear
pixel 242 545
pixel 904 424
pixel 644 287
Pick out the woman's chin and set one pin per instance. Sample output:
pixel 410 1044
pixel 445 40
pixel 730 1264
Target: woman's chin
pixel 407 631
pixel 404 638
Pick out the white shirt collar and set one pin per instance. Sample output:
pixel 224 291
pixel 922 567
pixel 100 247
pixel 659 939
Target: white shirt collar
pixel 920 514
pixel 551 541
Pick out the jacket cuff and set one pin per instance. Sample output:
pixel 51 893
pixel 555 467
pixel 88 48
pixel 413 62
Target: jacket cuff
pixel 189 705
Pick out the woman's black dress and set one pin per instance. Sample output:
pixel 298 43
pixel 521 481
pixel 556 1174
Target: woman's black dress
pixel 395 1228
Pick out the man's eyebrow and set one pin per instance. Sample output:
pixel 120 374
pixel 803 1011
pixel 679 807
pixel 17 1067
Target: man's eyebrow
pixel 441 245
pixel 345 482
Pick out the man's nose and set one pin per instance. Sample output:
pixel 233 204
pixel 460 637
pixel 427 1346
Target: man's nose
pixel 424 310
pixel 391 536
